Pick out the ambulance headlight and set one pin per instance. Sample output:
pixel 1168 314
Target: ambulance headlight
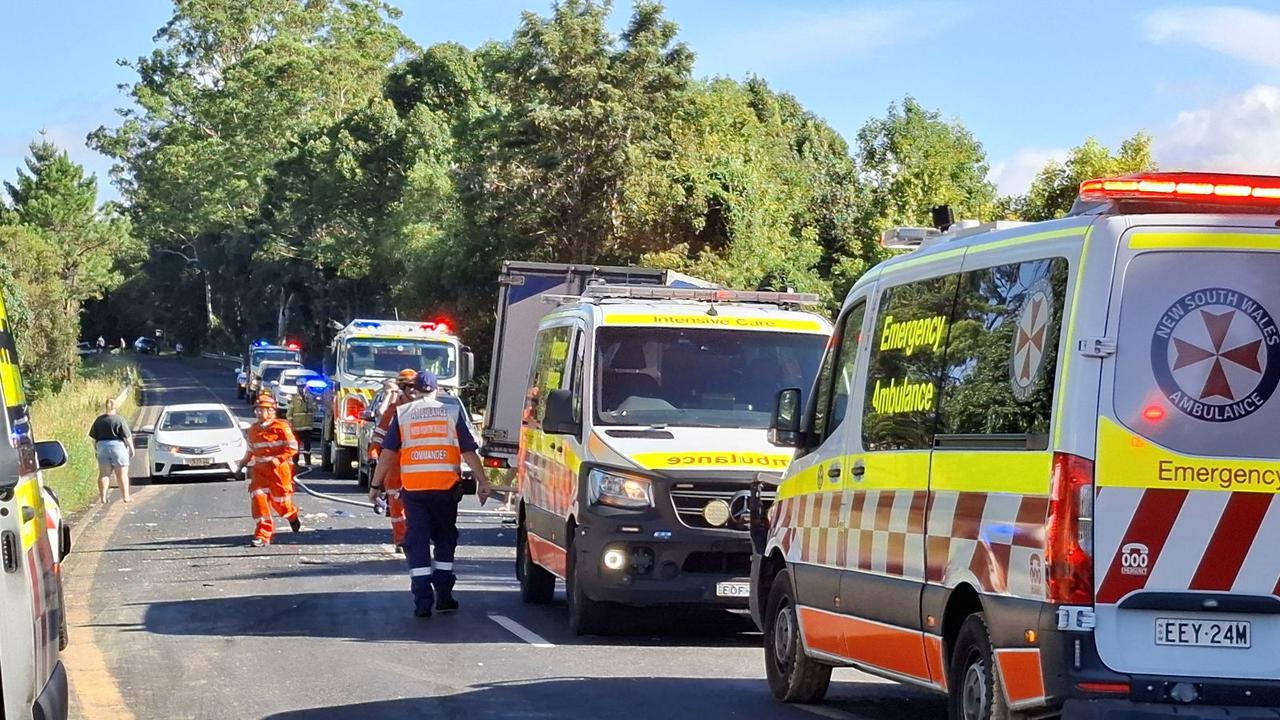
pixel 619 489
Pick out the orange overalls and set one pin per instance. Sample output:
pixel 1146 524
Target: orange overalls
pixel 391 482
pixel 271 483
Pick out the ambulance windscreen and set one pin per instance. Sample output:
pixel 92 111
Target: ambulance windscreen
pixel 696 377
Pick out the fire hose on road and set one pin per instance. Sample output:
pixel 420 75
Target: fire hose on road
pixel 498 513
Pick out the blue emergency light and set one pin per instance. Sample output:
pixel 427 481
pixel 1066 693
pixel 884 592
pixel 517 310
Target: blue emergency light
pixel 367 324
pixel 261 343
pixel 317 384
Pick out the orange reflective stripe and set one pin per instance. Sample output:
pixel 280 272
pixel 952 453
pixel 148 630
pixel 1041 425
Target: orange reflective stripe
pixel 888 647
pixel 1022 675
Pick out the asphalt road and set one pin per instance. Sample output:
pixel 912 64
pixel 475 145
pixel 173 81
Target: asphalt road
pixel 173 615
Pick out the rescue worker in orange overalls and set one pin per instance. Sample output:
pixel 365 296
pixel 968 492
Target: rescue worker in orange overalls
pixel 428 440
pixel 271 447
pixel 395 507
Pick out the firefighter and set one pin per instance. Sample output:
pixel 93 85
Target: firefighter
pixel 428 440
pixel 403 392
pixel 271 447
pixel 300 419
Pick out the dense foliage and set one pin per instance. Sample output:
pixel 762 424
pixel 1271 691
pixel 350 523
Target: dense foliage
pixel 296 164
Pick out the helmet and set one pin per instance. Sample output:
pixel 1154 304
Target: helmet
pixel 426 381
pixel 265 401
pixel 407 377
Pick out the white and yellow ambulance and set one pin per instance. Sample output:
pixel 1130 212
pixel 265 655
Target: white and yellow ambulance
pixel 645 422
pixel 1038 471
pixel 33 683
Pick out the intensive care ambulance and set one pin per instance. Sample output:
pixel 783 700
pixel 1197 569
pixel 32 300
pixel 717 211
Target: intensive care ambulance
pixel 1039 468
pixel 33 683
pixel 367 353
pixel 645 422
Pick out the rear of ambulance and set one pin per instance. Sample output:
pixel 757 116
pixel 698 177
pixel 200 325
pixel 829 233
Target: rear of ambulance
pixel 1186 523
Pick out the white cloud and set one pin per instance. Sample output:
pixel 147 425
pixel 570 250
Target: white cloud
pixel 1239 133
pixel 1241 33
pixel 855 33
pixel 1013 176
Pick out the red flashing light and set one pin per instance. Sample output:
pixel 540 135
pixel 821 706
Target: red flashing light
pixel 1185 186
pixel 496 462
pixel 1153 413
pixel 1068 556
pixel 293 346
pixel 438 326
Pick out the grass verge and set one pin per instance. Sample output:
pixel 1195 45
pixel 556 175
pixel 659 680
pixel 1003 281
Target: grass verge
pixel 67 416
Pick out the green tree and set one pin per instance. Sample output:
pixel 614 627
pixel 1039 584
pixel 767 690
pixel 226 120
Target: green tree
pixel 1055 187
pixel 910 161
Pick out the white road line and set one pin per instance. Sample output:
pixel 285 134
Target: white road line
pixel 521 631
pixel 828 712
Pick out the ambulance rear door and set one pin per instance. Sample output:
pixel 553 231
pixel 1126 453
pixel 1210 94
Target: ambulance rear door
pixel 1186 521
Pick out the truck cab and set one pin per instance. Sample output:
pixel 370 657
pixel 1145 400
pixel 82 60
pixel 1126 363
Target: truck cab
pixel 645 420
pixel 364 355
pixel 259 353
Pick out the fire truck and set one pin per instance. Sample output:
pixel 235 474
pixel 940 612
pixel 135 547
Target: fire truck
pixel 366 353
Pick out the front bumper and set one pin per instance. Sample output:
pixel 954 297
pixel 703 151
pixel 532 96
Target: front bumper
pixel 52 702
pixel 666 563
pixel 221 463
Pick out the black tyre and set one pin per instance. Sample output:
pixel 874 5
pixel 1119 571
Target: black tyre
pixel 793 676
pixel 975 688
pixel 537 585
pixel 240 393
pixel 326 456
pixel 362 476
pixel 586 616
pixel 343 459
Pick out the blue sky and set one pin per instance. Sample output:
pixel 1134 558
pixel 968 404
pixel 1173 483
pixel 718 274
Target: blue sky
pixel 1029 79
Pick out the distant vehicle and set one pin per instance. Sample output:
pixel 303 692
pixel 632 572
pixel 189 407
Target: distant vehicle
pixel 287 385
pixel 242 383
pixel 86 348
pixel 261 352
pixel 201 439
pixel 146 346
pixel 268 377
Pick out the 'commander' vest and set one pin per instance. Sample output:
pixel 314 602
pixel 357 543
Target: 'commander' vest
pixel 430 458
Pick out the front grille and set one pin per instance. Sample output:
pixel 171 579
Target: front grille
pixel 718 563
pixel 206 450
pixel 690 497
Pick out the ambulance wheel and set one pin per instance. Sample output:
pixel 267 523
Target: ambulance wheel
pixel 793 676
pixel 586 616
pixel 343 457
pixel 976 691
pixel 326 456
pixel 537 586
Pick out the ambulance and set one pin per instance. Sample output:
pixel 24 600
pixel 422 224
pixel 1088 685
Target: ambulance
pixel 1038 470
pixel 33 682
pixel 645 421
pixel 362 356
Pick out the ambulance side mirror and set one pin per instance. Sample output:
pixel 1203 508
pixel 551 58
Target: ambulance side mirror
pixel 784 429
pixel 558 419
pixel 468 372
pixel 50 454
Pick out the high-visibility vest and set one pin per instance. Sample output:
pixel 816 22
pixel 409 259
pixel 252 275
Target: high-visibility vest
pixel 275 439
pixel 430 458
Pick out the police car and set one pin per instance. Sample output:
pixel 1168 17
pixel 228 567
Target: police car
pixel 1038 470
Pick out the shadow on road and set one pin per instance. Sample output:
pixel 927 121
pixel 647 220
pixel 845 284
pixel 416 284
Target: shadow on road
pixel 627 699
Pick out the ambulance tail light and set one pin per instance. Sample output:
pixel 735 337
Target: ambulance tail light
pixel 1186 187
pixel 353 408
pixel 1069 541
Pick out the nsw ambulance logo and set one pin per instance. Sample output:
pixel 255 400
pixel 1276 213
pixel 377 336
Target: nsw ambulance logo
pixel 1216 354
pixel 1030 336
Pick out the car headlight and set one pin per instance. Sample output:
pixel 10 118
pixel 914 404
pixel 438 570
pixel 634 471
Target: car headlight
pixel 619 490
pixel 163 447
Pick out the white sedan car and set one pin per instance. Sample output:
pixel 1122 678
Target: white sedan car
pixel 196 440
pixel 287 386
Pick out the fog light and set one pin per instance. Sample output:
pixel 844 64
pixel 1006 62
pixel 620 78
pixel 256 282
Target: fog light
pixel 614 559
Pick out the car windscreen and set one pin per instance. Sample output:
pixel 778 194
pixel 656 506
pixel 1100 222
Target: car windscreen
pixel 698 377
pixel 272 374
pixel 215 419
pixel 386 358
pixel 277 355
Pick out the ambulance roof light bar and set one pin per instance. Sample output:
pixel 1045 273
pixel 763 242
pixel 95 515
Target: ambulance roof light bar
pixel 907 238
pixel 1185 187
pixel 712 295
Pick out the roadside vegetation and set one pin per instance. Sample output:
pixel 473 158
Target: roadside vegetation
pixel 66 416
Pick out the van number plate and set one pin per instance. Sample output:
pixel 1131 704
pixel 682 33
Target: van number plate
pixel 1204 633
pixel 733 589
